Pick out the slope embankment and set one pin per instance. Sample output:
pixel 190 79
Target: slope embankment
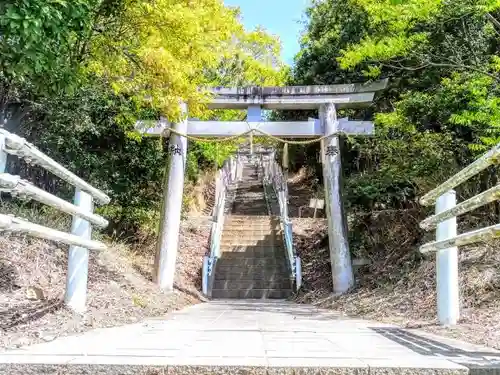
pixel 398 284
pixel 120 289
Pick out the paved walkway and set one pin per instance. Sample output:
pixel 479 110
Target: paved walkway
pixel 250 337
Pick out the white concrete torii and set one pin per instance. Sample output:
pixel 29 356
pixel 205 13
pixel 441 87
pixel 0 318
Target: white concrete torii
pixel 327 99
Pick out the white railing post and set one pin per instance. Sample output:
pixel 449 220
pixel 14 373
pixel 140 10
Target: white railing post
pixel 240 168
pixel 78 257
pixel 285 204
pixel 3 154
pixel 204 280
pixel 218 183
pixel 447 265
pixel 232 169
pixel 298 273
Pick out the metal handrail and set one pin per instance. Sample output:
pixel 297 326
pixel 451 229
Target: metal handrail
pixel 227 175
pixel 275 177
pixel 454 210
pixel 470 204
pixel 447 239
pixel 490 158
pixel 15 145
pixel 82 211
pixel 16 224
pixel 26 191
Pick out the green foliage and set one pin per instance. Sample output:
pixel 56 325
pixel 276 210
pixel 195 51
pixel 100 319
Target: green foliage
pixel 332 26
pixel 40 40
pixel 76 76
pixel 441 108
pixel 408 29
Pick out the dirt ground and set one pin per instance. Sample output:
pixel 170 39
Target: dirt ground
pixel 120 290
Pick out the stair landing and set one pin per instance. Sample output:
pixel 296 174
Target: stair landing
pixel 252 337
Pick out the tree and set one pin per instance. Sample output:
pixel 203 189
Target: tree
pixel 440 108
pixel 331 27
pixel 417 34
pixel 155 53
pixel 40 50
pixel 137 61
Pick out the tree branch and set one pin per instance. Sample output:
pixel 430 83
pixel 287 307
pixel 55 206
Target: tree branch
pixel 493 20
pixel 409 68
pixel 461 66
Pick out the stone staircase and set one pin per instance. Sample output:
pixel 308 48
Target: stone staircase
pixel 252 263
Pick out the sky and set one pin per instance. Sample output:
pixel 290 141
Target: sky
pixel 278 17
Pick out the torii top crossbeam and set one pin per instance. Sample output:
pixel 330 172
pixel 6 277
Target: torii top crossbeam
pixel 254 99
pixel 297 97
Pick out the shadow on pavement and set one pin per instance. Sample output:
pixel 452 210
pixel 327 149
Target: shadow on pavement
pixel 429 347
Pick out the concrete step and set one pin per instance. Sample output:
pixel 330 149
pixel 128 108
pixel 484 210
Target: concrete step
pixel 251 266
pixel 233 231
pixel 249 182
pixel 250 229
pixel 251 284
pixel 236 252
pixel 254 185
pixel 265 261
pixel 249 226
pixel 252 294
pixel 250 198
pixel 253 241
pixel 266 217
pixel 261 246
pixel 249 209
pixel 247 242
pixel 245 275
pixel 250 233
pixel 238 273
pixel 251 191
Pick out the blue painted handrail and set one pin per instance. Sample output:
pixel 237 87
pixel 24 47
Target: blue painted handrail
pixel 225 176
pixel 274 176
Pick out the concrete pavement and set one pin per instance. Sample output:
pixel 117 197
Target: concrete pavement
pixel 251 337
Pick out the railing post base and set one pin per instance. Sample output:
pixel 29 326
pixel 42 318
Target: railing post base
pixel 3 154
pixel 448 301
pixel 298 273
pixel 78 257
pixel 204 280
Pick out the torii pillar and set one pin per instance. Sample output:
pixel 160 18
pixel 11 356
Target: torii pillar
pixel 170 221
pixel 340 255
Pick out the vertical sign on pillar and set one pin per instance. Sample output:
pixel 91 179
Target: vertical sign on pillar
pixel 340 257
pixel 168 237
pixel 254 114
pixel 78 257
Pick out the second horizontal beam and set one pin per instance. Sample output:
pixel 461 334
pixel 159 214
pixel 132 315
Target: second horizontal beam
pixel 288 129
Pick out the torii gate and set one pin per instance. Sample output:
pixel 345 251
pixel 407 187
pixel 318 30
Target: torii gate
pixel 326 98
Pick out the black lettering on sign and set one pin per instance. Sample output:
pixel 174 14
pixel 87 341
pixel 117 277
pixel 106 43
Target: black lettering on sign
pixel 332 151
pixel 174 150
